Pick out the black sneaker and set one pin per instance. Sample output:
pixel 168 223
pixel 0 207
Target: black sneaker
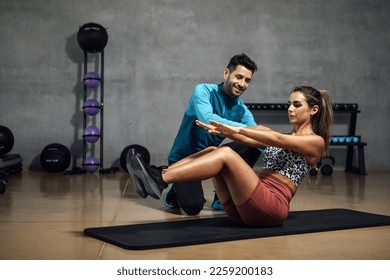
pixel 170 198
pixel 138 185
pixel 150 176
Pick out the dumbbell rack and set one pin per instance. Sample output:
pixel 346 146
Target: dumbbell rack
pixel 353 111
pixel 338 108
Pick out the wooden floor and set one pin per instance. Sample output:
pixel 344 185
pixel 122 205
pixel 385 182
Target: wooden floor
pixel 42 217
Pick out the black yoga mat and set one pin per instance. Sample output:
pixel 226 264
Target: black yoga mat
pixel 218 229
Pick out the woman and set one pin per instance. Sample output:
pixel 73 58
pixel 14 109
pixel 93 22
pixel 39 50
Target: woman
pixel 248 198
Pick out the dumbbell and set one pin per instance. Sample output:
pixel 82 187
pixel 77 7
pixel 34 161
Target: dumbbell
pixel 326 165
pixel 345 106
pixel 355 139
pixel 314 169
pixel 344 139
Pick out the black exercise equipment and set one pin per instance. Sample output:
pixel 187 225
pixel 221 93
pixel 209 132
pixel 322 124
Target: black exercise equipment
pixel 55 157
pixel 140 151
pixel 11 164
pixel 220 229
pixel 284 106
pixel 6 140
pixel 326 165
pixel 3 181
pixel 313 171
pixel 92 37
pixel 267 106
pixel 345 106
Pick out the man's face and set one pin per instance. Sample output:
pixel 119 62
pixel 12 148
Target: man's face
pixel 237 81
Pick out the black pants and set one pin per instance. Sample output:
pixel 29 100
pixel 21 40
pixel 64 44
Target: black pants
pixel 190 196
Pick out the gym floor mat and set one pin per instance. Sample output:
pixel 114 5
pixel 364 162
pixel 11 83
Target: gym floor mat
pixel 220 229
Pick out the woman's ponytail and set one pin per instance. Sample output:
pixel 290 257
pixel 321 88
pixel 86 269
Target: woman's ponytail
pixel 326 118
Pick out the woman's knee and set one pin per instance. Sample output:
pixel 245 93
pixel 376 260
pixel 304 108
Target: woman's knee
pixel 228 153
pixel 226 149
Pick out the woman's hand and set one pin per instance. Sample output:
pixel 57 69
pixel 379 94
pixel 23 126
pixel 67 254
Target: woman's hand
pixel 209 127
pixel 225 129
pixel 216 128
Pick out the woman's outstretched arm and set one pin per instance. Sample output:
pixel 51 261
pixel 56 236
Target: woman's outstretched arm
pixel 235 136
pixel 311 146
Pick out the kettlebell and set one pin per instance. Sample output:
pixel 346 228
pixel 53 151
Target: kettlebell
pixel 326 165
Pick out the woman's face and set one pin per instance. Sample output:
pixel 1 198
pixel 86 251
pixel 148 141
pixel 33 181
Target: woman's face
pixel 298 110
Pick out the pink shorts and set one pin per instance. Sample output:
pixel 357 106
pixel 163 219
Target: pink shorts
pixel 268 205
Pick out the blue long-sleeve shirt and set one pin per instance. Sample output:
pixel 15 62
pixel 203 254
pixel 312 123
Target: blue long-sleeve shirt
pixel 208 102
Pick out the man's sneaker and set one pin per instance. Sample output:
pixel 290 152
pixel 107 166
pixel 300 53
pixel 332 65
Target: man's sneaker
pixel 216 205
pixel 138 185
pixel 151 176
pixel 170 198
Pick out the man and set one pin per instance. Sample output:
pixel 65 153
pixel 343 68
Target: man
pixel 219 102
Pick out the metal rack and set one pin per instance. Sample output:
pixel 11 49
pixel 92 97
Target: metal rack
pixel 85 95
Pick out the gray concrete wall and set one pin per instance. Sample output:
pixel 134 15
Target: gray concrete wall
pixel 159 50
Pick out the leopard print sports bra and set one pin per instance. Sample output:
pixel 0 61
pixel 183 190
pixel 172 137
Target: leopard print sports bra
pixel 288 163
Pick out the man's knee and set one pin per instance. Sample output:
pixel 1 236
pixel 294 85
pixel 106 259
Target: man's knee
pixel 192 207
pixel 190 196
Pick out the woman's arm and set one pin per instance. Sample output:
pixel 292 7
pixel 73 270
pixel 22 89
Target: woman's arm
pixel 259 127
pixel 235 136
pixel 311 146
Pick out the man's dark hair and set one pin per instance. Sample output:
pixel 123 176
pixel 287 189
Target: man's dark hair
pixel 244 60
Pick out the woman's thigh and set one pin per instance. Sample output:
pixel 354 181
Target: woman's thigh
pixel 241 180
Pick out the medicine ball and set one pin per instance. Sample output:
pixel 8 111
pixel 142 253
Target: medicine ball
pixel 91 107
pixel 92 79
pixel 6 140
pixel 55 158
pixel 140 151
pixel 91 134
pixel 91 164
pixel 92 37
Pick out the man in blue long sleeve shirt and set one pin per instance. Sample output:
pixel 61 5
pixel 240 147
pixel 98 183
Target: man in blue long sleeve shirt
pixel 219 102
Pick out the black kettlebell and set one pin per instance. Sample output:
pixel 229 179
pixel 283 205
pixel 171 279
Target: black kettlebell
pixel 326 165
